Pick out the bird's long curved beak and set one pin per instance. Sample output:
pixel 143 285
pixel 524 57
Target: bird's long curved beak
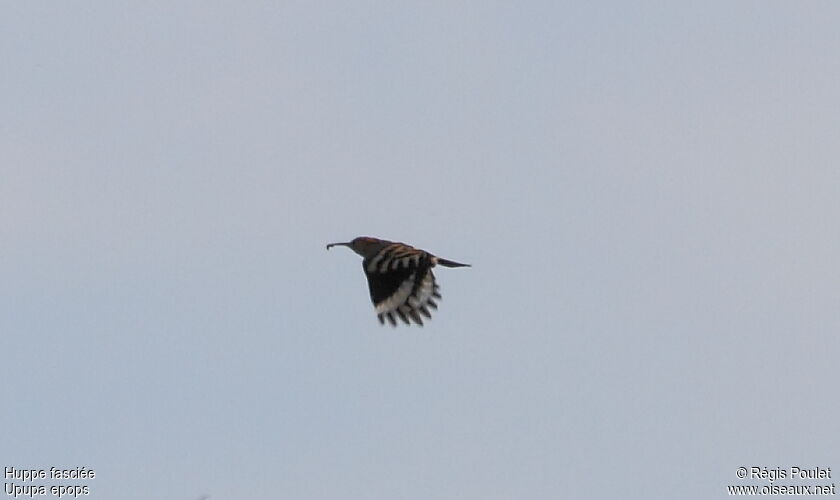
pixel 337 245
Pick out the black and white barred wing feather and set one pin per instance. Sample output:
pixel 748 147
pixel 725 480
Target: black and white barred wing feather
pixel 402 284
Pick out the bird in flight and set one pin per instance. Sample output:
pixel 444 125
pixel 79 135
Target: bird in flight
pixel 399 277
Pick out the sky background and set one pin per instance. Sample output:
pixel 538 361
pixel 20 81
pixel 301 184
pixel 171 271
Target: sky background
pixel 649 195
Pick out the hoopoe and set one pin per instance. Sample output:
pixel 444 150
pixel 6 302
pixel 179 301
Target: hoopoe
pixel 399 277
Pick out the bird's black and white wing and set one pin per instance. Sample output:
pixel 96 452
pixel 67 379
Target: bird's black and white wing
pixel 401 283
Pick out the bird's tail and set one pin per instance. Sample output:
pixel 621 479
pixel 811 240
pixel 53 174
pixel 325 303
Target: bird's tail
pixel 450 263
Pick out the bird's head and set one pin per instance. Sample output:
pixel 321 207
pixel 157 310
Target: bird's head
pixel 363 245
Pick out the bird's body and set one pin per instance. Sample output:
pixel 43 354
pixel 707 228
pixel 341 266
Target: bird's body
pixel 399 277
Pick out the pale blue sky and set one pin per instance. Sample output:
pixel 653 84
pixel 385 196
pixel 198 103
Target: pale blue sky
pixel 648 194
